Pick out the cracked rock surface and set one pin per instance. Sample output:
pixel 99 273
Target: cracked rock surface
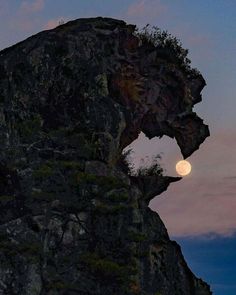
pixel 72 221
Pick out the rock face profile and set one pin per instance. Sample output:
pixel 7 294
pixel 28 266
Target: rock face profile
pixel 72 220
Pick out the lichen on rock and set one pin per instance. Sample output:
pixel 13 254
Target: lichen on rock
pixel 72 220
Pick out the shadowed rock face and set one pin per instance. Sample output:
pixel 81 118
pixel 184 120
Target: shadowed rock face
pixel 72 221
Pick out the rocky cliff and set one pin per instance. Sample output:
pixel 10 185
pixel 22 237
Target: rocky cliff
pixel 72 221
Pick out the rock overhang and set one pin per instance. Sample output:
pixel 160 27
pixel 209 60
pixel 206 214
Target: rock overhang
pixel 61 133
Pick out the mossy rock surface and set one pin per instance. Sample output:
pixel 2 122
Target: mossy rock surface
pixel 71 100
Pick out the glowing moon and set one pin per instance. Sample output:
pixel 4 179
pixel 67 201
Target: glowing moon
pixel 183 168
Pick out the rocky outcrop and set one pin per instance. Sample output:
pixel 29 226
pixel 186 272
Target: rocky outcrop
pixel 72 220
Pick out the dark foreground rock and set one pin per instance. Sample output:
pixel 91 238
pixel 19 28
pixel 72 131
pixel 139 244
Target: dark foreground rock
pixel 72 221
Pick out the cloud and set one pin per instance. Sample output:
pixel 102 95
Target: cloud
pixel 199 207
pixel 53 23
pixel 32 7
pixel 146 10
pixel 26 18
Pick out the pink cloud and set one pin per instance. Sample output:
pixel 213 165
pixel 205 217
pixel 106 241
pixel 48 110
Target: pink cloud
pixel 200 206
pixel 146 9
pixel 53 23
pixel 24 18
pixel 32 7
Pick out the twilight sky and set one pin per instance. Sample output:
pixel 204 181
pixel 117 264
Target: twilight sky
pixel 200 210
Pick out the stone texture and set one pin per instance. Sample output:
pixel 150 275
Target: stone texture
pixel 72 221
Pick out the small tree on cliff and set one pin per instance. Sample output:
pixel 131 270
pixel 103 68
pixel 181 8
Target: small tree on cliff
pixel 168 46
pixel 154 168
pixel 145 169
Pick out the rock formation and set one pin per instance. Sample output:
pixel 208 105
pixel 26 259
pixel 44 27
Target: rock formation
pixel 72 220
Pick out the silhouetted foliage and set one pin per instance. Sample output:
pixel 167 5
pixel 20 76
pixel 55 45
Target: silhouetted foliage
pixel 125 162
pixel 170 45
pixel 61 22
pixel 149 170
pixel 144 169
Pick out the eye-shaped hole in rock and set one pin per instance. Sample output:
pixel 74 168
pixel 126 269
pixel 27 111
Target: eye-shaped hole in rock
pixel 146 152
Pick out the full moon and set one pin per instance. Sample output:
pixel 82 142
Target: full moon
pixel 183 168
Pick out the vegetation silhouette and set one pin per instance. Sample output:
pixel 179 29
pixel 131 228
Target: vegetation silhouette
pixel 168 46
pixel 145 169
